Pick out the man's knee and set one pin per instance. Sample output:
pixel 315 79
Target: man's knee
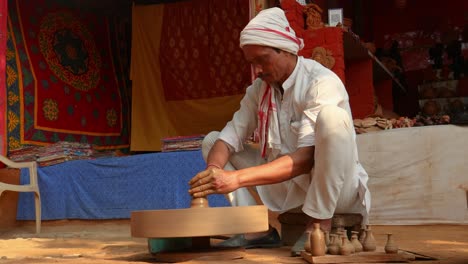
pixel 208 143
pixel 332 116
pixel 332 113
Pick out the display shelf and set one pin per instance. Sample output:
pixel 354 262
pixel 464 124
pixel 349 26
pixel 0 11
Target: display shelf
pixel 354 50
pixel 445 99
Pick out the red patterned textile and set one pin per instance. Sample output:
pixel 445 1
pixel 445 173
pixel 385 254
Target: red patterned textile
pixel 330 38
pixel 200 55
pixel 295 15
pixel 356 75
pixel 73 86
pixel 3 95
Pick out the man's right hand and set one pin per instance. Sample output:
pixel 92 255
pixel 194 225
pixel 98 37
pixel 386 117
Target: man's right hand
pixel 213 181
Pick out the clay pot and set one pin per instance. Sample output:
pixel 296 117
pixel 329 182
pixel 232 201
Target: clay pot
pixel 199 202
pixel 457 106
pixel 317 241
pixel 390 246
pixel 429 93
pixel 355 242
pixel 446 92
pixel 348 242
pixel 346 247
pixel 431 108
pixel 369 243
pixel 334 247
pixel 307 242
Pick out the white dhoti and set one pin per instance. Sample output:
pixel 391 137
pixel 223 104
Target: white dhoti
pixel 336 184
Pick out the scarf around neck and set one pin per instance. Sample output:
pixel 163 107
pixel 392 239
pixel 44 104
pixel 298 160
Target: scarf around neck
pixel 268 123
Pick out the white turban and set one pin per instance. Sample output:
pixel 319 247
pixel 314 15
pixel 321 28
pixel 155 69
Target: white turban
pixel 271 28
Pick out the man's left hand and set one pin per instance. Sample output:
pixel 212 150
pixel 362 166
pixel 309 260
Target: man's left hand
pixel 213 181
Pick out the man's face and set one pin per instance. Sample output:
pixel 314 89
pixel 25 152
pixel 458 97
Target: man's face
pixel 268 63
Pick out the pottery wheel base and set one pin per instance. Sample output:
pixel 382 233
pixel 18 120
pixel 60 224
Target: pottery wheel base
pixel 208 254
pixel 184 234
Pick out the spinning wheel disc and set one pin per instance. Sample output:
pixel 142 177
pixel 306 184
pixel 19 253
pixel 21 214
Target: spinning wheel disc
pixel 198 222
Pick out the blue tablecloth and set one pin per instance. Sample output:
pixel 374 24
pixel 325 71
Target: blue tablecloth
pixel 110 188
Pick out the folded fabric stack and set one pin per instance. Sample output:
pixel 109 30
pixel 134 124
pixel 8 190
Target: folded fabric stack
pixel 180 143
pixel 25 153
pixel 64 151
pixel 56 153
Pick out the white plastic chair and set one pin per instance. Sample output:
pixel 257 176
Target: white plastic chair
pixel 31 187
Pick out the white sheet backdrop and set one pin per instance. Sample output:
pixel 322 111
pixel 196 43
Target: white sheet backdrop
pixel 417 175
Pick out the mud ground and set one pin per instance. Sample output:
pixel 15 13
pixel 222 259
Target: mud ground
pixel 110 242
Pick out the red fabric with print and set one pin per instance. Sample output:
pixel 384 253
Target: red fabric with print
pixel 332 40
pixel 295 15
pixel 356 75
pixel 200 54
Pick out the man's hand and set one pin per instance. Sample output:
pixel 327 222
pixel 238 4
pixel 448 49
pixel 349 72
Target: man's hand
pixel 213 181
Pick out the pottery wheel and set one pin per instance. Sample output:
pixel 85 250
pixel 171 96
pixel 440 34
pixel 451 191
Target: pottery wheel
pixel 196 222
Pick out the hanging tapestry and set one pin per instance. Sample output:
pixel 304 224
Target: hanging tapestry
pixel 188 72
pixel 201 55
pixel 64 77
pixel 3 100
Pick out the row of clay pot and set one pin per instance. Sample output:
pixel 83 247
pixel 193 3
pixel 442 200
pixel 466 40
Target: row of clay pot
pixel 368 241
pixel 319 243
pixel 340 244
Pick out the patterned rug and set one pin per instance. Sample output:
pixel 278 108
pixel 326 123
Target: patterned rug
pixel 65 76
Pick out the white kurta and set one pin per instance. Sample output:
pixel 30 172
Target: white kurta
pixel 338 182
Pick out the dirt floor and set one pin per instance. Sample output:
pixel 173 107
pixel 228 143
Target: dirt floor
pixel 102 242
